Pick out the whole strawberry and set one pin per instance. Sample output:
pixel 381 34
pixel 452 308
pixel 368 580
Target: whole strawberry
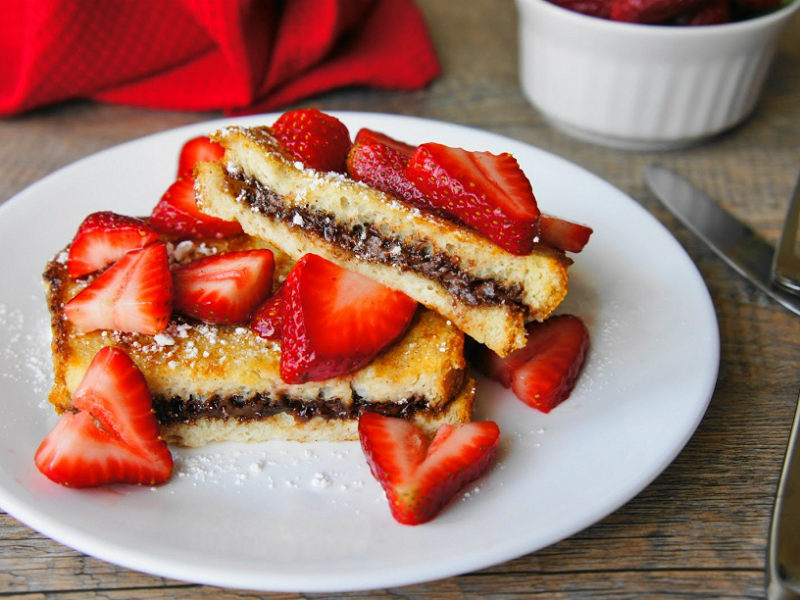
pixel 319 140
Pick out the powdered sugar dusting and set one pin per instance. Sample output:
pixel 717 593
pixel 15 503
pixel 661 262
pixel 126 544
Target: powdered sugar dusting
pixel 25 348
pixel 323 468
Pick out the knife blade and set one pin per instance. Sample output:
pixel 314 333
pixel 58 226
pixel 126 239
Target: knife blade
pixel 736 243
pixel 783 550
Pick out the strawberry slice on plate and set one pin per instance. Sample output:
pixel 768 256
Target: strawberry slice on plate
pixel 320 141
pixel 224 288
pixel 368 136
pixel 384 168
pixel 544 372
pixel 103 238
pixel 198 149
pixel 114 436
pixel 421 478
pixel 177 212
pixel 134 294
pixel 486 192
pixel 562 234
pixel 267 321
pixel 336 321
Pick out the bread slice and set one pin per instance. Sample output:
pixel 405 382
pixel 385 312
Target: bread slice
pixel 218 383
pixel 487 292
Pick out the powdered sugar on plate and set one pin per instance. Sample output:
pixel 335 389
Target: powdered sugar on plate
pixel 321 467
pixel 25 347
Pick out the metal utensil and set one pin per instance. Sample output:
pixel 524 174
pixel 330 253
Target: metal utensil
pixel 786 266
pixel 783 550
pixel 734 242
pixel 752 257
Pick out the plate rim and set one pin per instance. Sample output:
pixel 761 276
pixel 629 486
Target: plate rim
pixel 133 561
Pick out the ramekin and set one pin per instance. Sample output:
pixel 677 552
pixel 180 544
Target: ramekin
pixel 646 87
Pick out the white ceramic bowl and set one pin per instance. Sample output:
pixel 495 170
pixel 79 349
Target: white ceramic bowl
pixel 647 87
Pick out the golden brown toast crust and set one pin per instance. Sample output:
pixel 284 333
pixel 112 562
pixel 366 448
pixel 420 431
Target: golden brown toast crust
pixel 488 292
pixel 193 369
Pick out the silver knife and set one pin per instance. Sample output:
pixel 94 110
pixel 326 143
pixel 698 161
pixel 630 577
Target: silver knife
pixel 783 550
pixel 752 257
pixel 737 244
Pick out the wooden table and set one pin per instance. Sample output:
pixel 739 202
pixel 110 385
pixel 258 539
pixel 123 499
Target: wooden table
pixel 701 527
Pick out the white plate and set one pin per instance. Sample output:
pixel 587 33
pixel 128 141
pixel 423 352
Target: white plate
pixel 293 517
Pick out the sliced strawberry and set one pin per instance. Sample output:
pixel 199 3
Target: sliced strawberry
pixel 115 392
pixel 104 238
pixel 319 140
pixel 384 168
pixel 562 234
pixel 267 321
pixel 114 438
pixel 177 212
pixel 199 149
pixel 421 478
pixel 487 192
pixel 224 288
pixel 336 321
pixel 134 295
pixel 544 372
pixel 368 136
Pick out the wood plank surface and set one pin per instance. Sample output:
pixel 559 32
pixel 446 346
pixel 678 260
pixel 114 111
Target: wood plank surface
pixel 700 528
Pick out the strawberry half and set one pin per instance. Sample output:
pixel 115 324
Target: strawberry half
pixel 104 238
pixel 544 372
pixel 199 149
pixel 336 321
pixel 225 288
pixel 562 234
pixel 486 192
pixel 384 168
pixel 319 140
pixel 114 438
pixel 267 321
pixel 421 478
pixel 134 295
pixel 368 136
pixel 177 212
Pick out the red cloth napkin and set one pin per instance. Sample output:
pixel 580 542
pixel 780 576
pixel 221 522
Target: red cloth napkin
pixel 240 56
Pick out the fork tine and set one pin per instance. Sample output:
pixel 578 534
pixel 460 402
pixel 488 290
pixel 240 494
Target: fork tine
pixel 786 264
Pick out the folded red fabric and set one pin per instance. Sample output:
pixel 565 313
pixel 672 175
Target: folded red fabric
pixel 240 56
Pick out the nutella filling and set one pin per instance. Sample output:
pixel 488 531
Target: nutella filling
pixel 367 242
pixel 262 406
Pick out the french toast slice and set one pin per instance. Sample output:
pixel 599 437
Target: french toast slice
pixel 222 383
pixel 487 292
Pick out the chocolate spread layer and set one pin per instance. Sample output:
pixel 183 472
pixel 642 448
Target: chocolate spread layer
pixel 368 243
pixel 260 406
